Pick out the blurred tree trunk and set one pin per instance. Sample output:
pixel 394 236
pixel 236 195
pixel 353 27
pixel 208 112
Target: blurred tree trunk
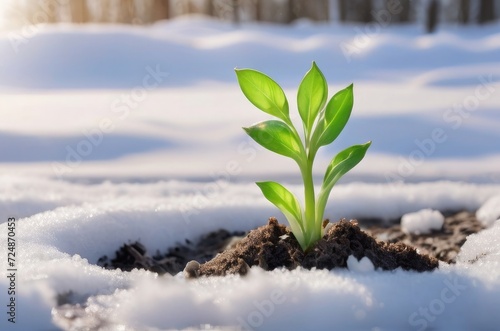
pixel 464 11
pixel 432 16
pixel 258 10
pixel 209 7
pixel 236 11
pixel 179 8
pixel 126 11
pixel 51 8
pixel 404 16
pixel 355 10
pixel 365 11
pixel 29 9
pixel 316 10
pixel 486 11
pixel 342 10
pixel 79 11
pixel 326 10
pixel 160 10
pixel 293 10
pixel 191 7
pixel 104 15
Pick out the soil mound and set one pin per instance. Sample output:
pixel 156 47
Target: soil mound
pixel 273 246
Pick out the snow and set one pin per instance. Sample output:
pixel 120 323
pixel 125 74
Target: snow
pixel 92 155
pixel 482 251
pixel 489 211
pixel 437 96
pixel 422 221
pixel 362 265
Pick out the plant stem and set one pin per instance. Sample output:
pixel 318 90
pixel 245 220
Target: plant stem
pixel 310 203
pixel 311 233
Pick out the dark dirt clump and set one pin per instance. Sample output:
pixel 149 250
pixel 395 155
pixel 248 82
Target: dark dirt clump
pixel 443 244
pixel 272 246
pixel 134 255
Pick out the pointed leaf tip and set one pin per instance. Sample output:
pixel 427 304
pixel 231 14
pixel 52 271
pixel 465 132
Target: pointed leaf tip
pixel 264 93
pixel 337 113
pixel 311 96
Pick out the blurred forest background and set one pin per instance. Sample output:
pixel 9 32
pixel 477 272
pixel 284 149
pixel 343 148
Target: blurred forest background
pixel 22 12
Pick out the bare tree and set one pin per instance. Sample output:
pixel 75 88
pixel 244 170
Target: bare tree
pixel 486 11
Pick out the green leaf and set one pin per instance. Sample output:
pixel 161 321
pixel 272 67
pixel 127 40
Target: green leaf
pixel 337 113
pixel 338 167
pixel 311 96
pixel 264 93
pixel 277 136
pixel 278 195
pixel 344 161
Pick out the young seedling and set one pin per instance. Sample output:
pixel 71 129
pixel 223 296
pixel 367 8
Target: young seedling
pixel 321 126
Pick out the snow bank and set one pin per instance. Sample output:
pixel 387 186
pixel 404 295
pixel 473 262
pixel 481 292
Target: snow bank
pixel 421 222
pixel 60 247
pixel 225 203
pixel 282 300
pixel 193 51
pixel 441 121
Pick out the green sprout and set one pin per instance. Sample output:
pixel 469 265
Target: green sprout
pixel 321 125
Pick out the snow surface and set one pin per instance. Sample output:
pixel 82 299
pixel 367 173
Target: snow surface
pixel 422 221
pixel 91 157
pixel 489 211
